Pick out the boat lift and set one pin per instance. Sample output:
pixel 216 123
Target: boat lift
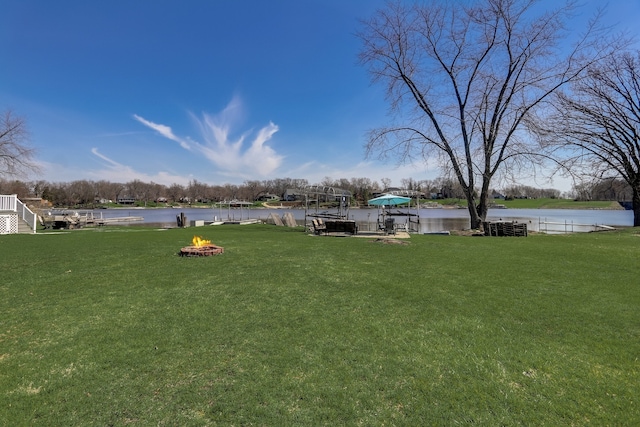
pixel 338 198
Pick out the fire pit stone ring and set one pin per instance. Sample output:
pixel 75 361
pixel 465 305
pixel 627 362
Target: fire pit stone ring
pixel 203 250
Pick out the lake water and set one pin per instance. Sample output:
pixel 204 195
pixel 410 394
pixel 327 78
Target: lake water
pixel 430 220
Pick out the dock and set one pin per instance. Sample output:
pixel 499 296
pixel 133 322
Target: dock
pixel 75 220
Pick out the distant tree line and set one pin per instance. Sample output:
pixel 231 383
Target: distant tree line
pixel 606 189
pixel 87 193
pixel 84 193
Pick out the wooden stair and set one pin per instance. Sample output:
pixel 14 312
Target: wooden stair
pixel 23 227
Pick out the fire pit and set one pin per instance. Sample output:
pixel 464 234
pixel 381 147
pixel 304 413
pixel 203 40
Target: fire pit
pixel 201 247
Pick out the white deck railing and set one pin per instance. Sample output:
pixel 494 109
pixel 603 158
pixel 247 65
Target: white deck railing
pixel 8 202
pixel 27 215
pixel 11 203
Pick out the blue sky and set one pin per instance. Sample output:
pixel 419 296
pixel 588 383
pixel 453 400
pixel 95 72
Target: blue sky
pixel 217 91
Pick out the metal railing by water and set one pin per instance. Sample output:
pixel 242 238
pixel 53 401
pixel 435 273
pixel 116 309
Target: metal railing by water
pixel 551 227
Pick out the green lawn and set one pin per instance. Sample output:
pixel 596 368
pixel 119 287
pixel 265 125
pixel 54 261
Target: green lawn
pixel 559 204
pixel 544 203
pixel 111 327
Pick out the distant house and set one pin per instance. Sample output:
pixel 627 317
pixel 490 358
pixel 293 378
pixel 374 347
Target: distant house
pixel 161 200
pixel 292 194
pixel 268 198
pixel 126 200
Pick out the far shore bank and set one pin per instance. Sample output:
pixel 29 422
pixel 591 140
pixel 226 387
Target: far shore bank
pixel 441 204
pixel 446 204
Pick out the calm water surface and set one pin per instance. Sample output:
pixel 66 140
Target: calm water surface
pixel 430 220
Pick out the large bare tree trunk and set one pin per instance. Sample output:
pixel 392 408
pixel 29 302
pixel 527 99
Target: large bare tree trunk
pixel 465 80
pixel 636 206
pixel 474 218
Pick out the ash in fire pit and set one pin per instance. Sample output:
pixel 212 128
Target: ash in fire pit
pixel 201 247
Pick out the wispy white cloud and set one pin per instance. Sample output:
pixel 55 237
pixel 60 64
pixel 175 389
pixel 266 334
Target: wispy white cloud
pixel 231 155
pixel 315 172
pixel 245 155
pixel 111 163
pixel 164 131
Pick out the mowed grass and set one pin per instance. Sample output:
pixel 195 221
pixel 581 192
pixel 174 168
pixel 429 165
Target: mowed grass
pixel 111 327
pixel 545 203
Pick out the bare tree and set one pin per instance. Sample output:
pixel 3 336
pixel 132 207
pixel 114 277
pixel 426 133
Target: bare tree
pixel 252 189
pixel 109 190
pixel 525 191
pixel 280 185
pixel 386 183
pixel 613 189
pixel 229 192
pixel 450 189
pixel 464 78
pixel 196 191
pixel 81 192
pixel 409 184
pixel 19 188
pixel 175 192
pixel 16 156
pixel 596 128
pixel 582 191
pixel 156 191
pixel 362 188
pixel 57 194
